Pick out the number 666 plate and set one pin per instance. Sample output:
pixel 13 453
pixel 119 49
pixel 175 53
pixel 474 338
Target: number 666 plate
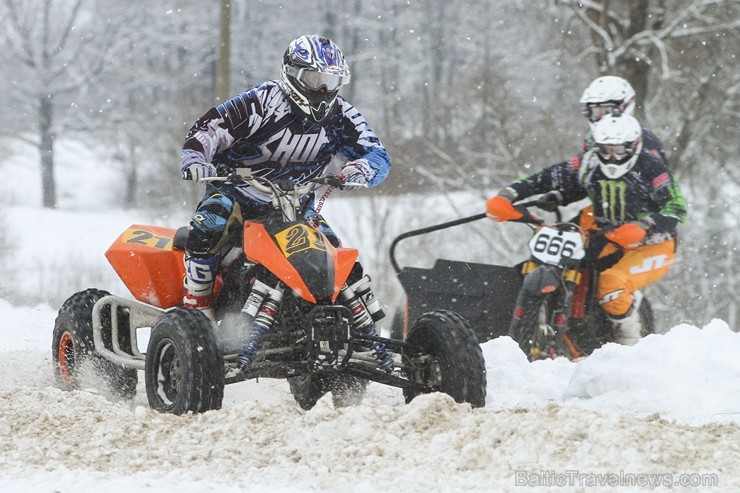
pixel 551 246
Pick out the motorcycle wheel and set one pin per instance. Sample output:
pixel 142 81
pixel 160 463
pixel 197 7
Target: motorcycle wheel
pixel 456 365
pixel 308 389
pixel 533 332
pixel 184 367
pixel 73 348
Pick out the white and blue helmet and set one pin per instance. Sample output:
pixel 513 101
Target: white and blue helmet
pixel 313 71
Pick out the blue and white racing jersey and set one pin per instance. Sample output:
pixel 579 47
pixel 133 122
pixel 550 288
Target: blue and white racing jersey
pixel 260 130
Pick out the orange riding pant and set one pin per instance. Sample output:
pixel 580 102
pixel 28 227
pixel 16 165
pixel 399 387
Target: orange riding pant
pixel 636 269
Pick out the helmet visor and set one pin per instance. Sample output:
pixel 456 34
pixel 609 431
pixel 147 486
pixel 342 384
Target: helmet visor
pixel 315 80
pixel 596 111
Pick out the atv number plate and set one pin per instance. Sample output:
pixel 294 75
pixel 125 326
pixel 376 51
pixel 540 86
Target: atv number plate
pixel 550 246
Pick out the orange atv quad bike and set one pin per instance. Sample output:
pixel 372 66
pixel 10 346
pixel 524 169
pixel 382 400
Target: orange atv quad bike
pixel 309 300
pixel 547 303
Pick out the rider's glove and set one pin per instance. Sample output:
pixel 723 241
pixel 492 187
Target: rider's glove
pixel 354 172
pixel 628 235
pixel 499 208
pixel 198 171
pixel 551 201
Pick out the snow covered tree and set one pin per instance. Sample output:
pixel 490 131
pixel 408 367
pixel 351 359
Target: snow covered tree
pixel 56 49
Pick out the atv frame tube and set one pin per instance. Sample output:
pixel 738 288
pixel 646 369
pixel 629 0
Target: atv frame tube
pixel 140 315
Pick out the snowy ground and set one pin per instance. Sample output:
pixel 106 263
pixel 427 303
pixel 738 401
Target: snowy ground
pixel 664 411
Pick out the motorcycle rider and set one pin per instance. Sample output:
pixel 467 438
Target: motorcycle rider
pixel 287 128
pixel 612 95
pixel 609 95
pixel 635 191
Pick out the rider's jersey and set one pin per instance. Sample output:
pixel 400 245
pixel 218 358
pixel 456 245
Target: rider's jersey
pixel 260 130
pixel 646 193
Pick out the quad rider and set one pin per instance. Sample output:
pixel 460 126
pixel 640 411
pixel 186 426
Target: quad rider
pixel 289 128
pixel 633 194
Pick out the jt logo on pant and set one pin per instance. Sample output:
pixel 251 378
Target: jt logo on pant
pixel 649 264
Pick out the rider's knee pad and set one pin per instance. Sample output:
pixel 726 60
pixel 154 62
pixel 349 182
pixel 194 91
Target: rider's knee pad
pixel 615 292
pixel 209 224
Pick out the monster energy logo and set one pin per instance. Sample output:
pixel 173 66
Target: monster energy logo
pixel 613 199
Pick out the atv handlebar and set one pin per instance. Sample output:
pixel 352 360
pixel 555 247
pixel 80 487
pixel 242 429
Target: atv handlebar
pixel 283 185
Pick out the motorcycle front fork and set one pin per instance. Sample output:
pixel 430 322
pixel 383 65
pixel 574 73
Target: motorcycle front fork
pixel 561 312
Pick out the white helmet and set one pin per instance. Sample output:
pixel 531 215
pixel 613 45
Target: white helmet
pixel 617 143
pixel 605 95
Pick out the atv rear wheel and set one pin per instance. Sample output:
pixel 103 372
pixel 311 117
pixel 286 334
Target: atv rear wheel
pixel 306 390
pixel 73 348
pixel 184 366
pixel 345 390
pixel 455 365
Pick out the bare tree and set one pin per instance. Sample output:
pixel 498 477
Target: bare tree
pixel 631 37
pixel 58 49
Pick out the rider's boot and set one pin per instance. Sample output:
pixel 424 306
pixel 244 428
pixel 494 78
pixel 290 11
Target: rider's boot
pixel 200 274
pixel 627 329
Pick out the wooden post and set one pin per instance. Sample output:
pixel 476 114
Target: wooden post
pixel 224 52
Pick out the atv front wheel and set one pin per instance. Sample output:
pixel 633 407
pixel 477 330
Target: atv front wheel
pixel 184 366
pixel 452 361
pixel 73 348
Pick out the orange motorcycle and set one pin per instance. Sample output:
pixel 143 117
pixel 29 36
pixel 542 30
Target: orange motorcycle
pixel 281 279
pixel 547 304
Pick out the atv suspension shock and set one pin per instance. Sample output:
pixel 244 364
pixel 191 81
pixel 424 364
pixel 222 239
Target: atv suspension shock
pixel 263 321
pixel 364 321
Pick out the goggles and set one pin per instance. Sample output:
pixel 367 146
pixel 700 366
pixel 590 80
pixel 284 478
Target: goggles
pixel 615 153
pixel 596 111
pixel 315 80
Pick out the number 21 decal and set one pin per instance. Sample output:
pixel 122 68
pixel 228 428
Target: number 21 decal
pixel 141 237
